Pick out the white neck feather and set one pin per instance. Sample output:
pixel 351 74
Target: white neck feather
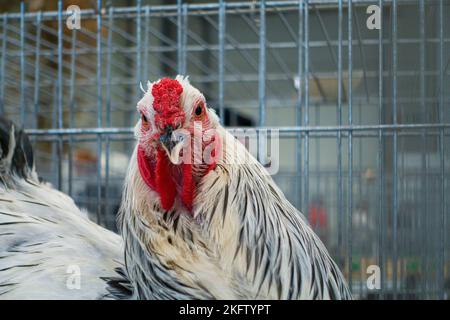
pixel 246 240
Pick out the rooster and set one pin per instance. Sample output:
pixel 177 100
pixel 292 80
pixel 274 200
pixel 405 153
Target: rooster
pixel 48 247
pixel 202 219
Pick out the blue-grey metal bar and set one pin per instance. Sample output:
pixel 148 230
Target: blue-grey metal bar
pixel 350 142
pixel 60 65
pixel 179 36
pixel 54 124
pixel 281 129
pixel 221 62
pixel 424 160
pixel 340 200
pixel 72 106
pixel 380 159
pixel 299 118
pixel 394 164
pixel 198 9
pixel 283 134
pixel 108 67
pixel 361 53
pixel 184 38
pixel 197 48
pixel 317 163
pixel 443 221
pixel 231 46
pixel 359 182
pixel 108 96
pixel 262 64
pixel 37 73
pixel 262 78
pixel 60 93
pixel 138 44
pixel 306 108
pixel 423 217
pixel 146 76
pixel 99 108
pixel 22 64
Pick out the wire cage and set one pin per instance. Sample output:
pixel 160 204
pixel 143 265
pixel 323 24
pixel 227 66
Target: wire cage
pixel 362 113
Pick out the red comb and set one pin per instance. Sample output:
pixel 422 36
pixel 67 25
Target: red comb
pixel 166 102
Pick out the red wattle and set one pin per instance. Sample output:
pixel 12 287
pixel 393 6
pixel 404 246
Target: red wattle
pixel 158 176
pixel 164 181
pixel 145 168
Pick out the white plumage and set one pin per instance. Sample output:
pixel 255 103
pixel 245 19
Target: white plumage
pixel 240 238
pixel 45 239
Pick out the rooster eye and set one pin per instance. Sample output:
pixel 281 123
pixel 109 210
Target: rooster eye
pixel 198 110
pixel 144 122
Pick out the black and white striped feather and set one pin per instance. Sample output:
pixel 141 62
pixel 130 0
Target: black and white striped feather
pixel 45 238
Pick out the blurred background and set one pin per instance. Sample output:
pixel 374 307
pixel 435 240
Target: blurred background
pixel 363 113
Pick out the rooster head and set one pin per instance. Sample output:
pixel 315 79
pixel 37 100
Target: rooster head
pixel 177 140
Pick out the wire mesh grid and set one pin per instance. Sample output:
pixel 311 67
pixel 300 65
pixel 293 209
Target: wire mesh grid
pixel 363 114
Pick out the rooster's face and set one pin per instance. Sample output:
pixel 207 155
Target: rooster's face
pixel 177 140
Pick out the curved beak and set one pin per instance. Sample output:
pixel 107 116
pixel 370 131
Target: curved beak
pixel 171 145
pixel 166 139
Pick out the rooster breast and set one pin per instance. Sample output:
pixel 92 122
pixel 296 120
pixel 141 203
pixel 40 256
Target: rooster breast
pixel 244 240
